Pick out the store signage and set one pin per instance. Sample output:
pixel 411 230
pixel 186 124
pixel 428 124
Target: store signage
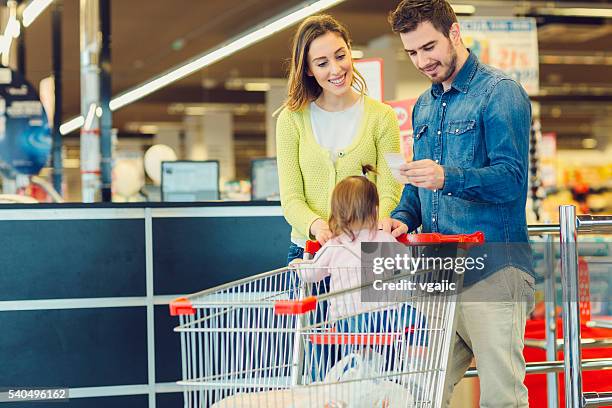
pixel 403 110
pixel 508 44
pixel 372 71
pixel 25 136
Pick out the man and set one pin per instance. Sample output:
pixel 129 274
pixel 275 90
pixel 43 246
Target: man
pixel 469 173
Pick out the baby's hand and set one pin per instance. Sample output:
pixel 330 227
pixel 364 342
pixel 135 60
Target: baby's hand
pixel 296 261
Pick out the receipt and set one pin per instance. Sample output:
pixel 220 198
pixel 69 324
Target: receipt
pixel 394 161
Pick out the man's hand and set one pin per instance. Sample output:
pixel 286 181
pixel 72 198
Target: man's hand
pixel 320 230
pixel 424 173
pixel 395 227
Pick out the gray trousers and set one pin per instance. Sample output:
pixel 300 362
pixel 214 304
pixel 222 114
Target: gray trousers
pixel 490 327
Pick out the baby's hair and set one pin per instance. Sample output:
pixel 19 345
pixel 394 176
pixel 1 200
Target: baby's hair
pixel 367 168
pixel 354 205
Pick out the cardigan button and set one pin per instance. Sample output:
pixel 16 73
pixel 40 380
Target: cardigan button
pixel 340 154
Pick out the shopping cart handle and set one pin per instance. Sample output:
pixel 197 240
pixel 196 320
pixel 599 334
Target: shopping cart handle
pixel 476 238
pixel 312 247
pixel 180 307
pixel 295 307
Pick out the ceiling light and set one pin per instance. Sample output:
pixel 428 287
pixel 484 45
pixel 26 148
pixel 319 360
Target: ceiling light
pixel 265 30
pixel 576 59
pixel 576 12
pixel 5 43
pixel 257 86
pixel 71 125
pixel 148 129
pixel 90 116
pixel 12 29
pixel 195 111
pixel 556 112
pixel 463 8
pixel 240 42
pixel 357 54
pixel 33 10
pixel 589 143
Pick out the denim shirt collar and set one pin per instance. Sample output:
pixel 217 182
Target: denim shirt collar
pixel 463 78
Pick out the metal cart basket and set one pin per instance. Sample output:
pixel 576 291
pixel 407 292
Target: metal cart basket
pixel 278 340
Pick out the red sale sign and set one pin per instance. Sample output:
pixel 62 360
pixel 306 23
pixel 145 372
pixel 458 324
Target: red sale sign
pixel 403 110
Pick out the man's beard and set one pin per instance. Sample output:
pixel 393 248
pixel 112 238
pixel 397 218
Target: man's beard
pixel 452 65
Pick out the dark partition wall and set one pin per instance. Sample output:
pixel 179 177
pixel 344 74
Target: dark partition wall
pixel 81 305
pixel 58 259
pixel 199 253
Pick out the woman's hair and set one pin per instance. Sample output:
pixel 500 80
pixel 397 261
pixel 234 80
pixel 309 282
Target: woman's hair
pixel 354 204
pixel 302 88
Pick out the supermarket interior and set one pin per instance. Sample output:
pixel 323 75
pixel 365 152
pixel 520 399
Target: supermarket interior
pixel 138 166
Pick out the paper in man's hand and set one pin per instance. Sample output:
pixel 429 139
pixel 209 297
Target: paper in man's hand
pixel 394 161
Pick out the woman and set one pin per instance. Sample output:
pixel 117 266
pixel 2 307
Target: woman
pixel 327 130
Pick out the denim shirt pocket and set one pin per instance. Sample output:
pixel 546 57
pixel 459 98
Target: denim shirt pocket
pixel 420 148
pixel 459 141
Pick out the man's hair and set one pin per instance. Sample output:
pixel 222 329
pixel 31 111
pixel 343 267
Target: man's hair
pixel 410 13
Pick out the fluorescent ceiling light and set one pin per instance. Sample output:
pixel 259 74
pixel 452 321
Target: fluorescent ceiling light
pixel 33 10
pixel 5 43
pixel 72 125
pixel 90 116
pixel 356 54
pixel 463 8
pixel 267 29
pixel 13 28
pixel 240 42
pixel 576 12
pixel 257 86
pixel 589 143
pixel 577 58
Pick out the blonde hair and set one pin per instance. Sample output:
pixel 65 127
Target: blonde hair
pixel 354 204
pixel 302 88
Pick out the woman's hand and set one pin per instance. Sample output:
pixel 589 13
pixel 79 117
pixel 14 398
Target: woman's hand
pixel 320 230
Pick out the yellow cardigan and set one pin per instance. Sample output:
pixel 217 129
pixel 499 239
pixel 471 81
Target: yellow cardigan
pixel 307 174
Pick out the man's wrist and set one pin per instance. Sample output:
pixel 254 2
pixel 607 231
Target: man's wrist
pixel 453 180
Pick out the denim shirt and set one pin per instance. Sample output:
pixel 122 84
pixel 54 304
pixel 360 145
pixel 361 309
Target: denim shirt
pixel 478 130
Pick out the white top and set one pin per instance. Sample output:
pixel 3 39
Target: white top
pixel 335 131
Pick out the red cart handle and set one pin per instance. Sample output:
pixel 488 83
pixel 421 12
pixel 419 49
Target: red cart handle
pixel 312 247
pixel 476 238
pixel 181 306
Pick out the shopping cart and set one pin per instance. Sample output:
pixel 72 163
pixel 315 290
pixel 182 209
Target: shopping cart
pixel 267 341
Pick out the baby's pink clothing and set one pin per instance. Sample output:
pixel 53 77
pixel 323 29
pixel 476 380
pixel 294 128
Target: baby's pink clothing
pixel 340 258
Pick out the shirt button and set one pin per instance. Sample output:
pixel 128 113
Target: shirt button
pixel 340 154
pixel 450 193
pixel 433 219
pixel 439 132
pixel 437 161
pixel 444 104
pixel 435 191
pixel 456 130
